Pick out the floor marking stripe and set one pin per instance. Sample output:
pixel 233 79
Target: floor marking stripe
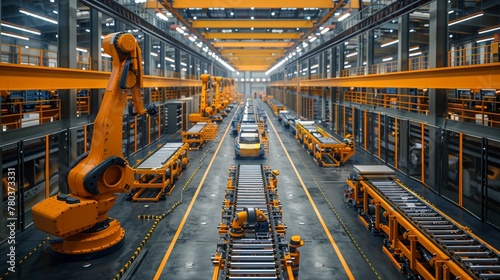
pixel 325 228
pixel 188 211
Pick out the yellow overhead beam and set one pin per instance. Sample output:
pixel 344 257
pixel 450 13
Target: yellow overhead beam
pixel 237 52
pixel 256 68
pixel 257 4
pixel 247 62
pixel 14 77
pixel 252 23
pixel 252 44
pixel 250 56
pixel 476 76
pixel 262 36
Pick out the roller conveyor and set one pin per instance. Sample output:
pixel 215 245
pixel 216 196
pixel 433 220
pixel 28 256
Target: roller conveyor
pixel 161 156
pixel 449 235
pixel 197 128
pixel 438 238
pixel 198 134
pixel 155 175
pixel 325 149
pixel 253 248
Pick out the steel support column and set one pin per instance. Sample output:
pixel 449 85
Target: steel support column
pixel 324 74
pixel 370 48
pixel 438 53
pixel 163 69
pixel 177 54
pixel 361 50
pixel 404 42
pixel 403 47
pixel 299 105
pixel 340 67
pixel 66 55
pixel 333 90
pixel 95 53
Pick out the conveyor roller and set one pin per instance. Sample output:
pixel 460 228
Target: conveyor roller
pixel 474 257
pixel 251 248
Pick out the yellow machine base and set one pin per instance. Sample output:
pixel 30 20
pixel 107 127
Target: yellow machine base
pixel 90 245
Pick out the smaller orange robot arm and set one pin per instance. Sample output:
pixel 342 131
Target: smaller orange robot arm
pixel 249 218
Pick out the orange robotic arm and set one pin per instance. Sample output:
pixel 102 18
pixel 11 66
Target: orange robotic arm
pixel 249 218
pixel 104 170
pixel 96 176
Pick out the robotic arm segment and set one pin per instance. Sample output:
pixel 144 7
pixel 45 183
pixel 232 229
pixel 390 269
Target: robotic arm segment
pixel 95 177
pixel 249 218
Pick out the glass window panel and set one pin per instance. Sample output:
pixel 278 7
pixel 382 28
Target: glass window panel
pixel 34 175
pixel 153 128
pixel 141 132
pixel 391 141
pixel 77 135
pixel 375 133
pixel 403 145
pixel 426 146
pixel 348 121
pixel 471 164
pixel 450 188
pixel 360 128
pixel 383 138
pixel 493 186
pixel 341 120
pixel 415 152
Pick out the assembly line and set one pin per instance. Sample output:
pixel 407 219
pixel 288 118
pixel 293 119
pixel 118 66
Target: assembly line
pixel 238 154
pixel 180 243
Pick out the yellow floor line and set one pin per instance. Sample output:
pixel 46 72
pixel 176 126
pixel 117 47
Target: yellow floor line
pixel 183 221
pixel 325 228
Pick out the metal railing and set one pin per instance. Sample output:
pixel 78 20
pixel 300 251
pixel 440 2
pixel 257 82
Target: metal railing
pixel 470 56
pixel 482 112
pixel 28 113
pixel 17 54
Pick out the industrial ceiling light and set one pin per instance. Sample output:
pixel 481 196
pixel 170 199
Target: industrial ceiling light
pixel 352 54
pixel 15 36
pixel 469 17
pixel 21 28
pixel 387 59
pixel 485 40
pixel 415 54
pixel 31 14
pixel 389 43
pixel 489 29
pixel 345 15
pixel 179 29
pixel 161 15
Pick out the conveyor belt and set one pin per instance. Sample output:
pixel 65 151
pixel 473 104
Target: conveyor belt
pixel 257 254
pixel 160 157
pixel 197 128
pixel 473 255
